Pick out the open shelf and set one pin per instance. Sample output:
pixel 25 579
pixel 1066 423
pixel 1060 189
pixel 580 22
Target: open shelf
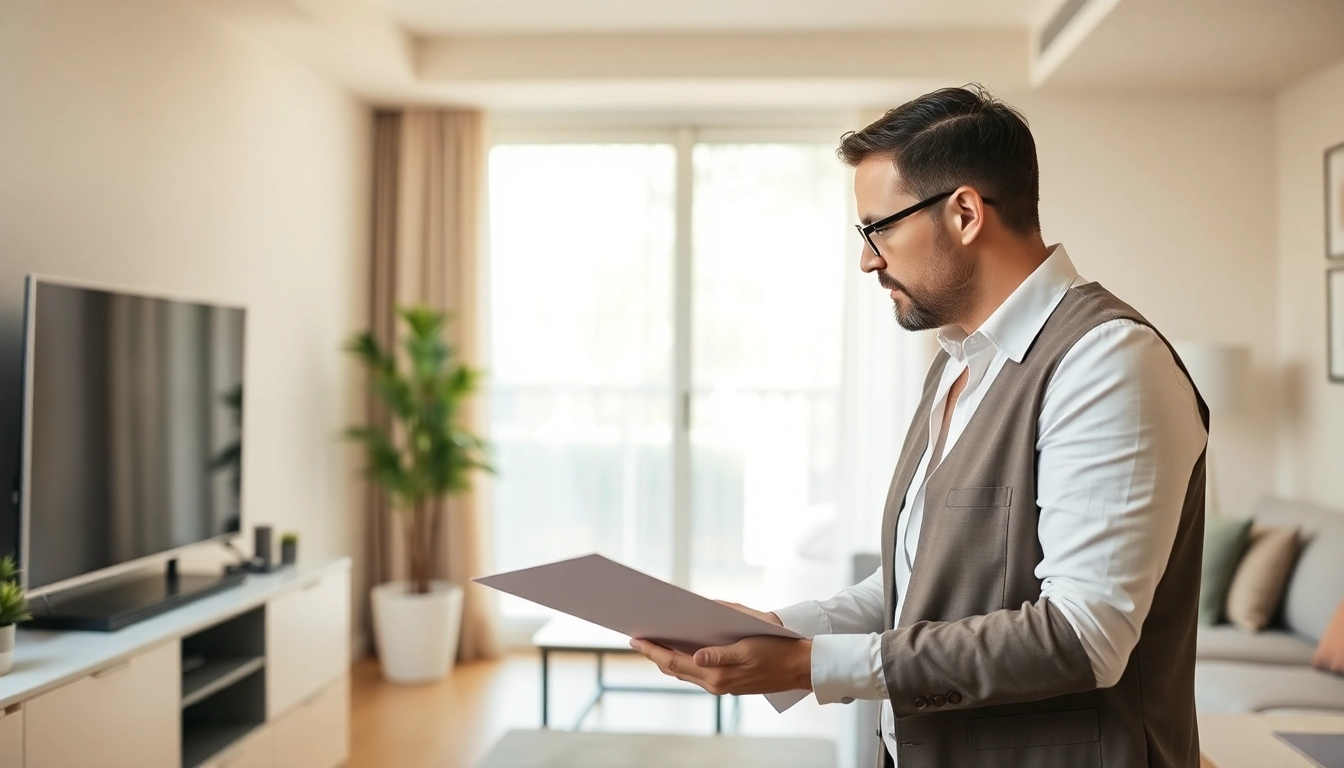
pixel 215 675
pixel 224 694
pixel 219 720
pixel 203 741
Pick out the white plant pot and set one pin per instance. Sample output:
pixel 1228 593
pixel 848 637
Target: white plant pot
pixel 6 649
pixel 417 634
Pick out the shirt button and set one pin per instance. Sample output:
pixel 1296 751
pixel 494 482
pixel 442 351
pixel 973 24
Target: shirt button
pixel 954 697
pixel 939 700
pixel 920 703
pixel 847 700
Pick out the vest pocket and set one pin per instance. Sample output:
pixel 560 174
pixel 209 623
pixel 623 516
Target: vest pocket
pixel 984 496
pixel 1034 729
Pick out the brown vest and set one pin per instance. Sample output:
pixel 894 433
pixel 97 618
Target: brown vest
pixel 982 673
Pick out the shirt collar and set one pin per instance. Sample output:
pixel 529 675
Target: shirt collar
pixel 1015 324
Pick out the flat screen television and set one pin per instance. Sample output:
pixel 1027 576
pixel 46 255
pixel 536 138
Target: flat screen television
pixel 132 438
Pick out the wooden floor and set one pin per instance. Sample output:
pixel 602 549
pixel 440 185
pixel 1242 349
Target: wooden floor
pixel 453 723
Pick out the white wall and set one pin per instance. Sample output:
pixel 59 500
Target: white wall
pixel 1309 118
pixel 146 145
pixel 1170 204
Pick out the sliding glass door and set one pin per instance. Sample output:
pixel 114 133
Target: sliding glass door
pixel 665 336
pixel 767 290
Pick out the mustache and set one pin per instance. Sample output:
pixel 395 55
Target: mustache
pixel 890 283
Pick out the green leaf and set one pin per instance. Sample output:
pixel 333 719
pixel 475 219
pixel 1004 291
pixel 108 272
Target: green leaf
pixel 13 604
pixel 424 450
pixel 9 570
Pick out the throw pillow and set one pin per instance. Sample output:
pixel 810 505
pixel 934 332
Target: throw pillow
pixel 1257 586
pixel 1330 653
pixel 1224 543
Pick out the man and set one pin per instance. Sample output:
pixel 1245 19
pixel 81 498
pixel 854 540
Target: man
pixel 1042 538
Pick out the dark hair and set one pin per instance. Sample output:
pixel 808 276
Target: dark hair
pixel 957 136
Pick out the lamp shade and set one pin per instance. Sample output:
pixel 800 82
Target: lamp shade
pixel 1221 372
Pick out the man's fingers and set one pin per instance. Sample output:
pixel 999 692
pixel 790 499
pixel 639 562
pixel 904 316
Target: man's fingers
pixel 721 656
pixel 670 662
pixel 762 615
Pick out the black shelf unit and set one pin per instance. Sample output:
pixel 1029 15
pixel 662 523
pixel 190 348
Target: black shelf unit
pixel 224 690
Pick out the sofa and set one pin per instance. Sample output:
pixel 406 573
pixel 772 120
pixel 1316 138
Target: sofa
pixel 1271 671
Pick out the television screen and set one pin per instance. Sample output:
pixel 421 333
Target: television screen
pixel 132 427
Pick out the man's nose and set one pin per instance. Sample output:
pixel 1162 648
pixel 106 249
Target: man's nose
pixel 869 261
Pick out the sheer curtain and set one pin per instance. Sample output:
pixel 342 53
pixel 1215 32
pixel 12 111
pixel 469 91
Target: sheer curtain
pixel 428 184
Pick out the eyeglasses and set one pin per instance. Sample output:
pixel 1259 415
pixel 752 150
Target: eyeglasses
pixel 867 230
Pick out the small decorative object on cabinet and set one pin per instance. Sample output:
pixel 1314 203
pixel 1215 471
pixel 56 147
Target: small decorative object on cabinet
pixel 263 546
pixel 13 609
pixel 289 548
pixel 419 453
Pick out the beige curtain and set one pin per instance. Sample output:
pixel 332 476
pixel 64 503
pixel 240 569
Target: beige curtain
pixel 429 186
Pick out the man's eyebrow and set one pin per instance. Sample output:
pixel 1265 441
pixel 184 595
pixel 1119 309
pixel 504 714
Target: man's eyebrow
pixel 866 220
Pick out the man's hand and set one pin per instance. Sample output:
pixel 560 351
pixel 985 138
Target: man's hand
pixel 762 615
pixel 760 664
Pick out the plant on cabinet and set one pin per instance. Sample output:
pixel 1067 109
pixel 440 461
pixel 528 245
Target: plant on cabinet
pixel 13 609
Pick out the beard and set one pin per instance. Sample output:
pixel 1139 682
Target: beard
pixel 934 307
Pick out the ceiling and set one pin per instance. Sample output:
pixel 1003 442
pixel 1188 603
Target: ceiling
pixel 487 17
pixel 1204 46
pixel 788 54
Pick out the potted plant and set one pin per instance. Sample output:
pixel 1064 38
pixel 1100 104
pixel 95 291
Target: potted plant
pixel 418 457
pixel 289 548
pixel 13 609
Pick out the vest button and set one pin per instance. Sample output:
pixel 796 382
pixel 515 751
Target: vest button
pixel 939 700
pixel 920 703
pixel 954 697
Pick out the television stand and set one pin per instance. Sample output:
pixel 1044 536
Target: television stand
pixel 110 604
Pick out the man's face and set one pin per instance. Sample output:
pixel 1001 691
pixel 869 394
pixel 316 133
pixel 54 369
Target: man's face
pixel 926 272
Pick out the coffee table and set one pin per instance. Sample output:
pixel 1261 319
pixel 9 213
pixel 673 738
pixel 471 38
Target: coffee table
pixel 570 635
pixel 1248 740
pixel 562 749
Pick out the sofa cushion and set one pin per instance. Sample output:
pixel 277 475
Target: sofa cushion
pixel 1224 541
pixel 1330 653
pixel 1316 585
pixel 1257 586
pixel 1238 686
pixel 1225 642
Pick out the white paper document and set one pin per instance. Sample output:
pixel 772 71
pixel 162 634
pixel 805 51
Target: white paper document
pixel 636 604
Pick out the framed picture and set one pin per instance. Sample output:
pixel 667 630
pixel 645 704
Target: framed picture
pixel 1334 202
pixel 1334 334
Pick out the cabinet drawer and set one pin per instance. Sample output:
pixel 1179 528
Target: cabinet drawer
pixel 11 737
pixel 307 641
pixel 255 751
pixel 125 716
pixel 316 733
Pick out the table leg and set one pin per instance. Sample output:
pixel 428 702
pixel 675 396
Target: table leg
pixel 545 684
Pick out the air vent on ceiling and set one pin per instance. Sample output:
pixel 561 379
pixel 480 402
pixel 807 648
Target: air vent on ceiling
pixel 1066 13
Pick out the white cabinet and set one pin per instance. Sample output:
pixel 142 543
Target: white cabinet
pixel 316 734
pixel 255 751
pixel 11 737
pixel 123 716
pixel 268 685
pixel 307 640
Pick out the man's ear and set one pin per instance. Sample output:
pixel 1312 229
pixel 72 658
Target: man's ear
pixel 966 215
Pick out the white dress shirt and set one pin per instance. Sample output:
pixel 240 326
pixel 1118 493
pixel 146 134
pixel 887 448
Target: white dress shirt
pixel 1118 435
